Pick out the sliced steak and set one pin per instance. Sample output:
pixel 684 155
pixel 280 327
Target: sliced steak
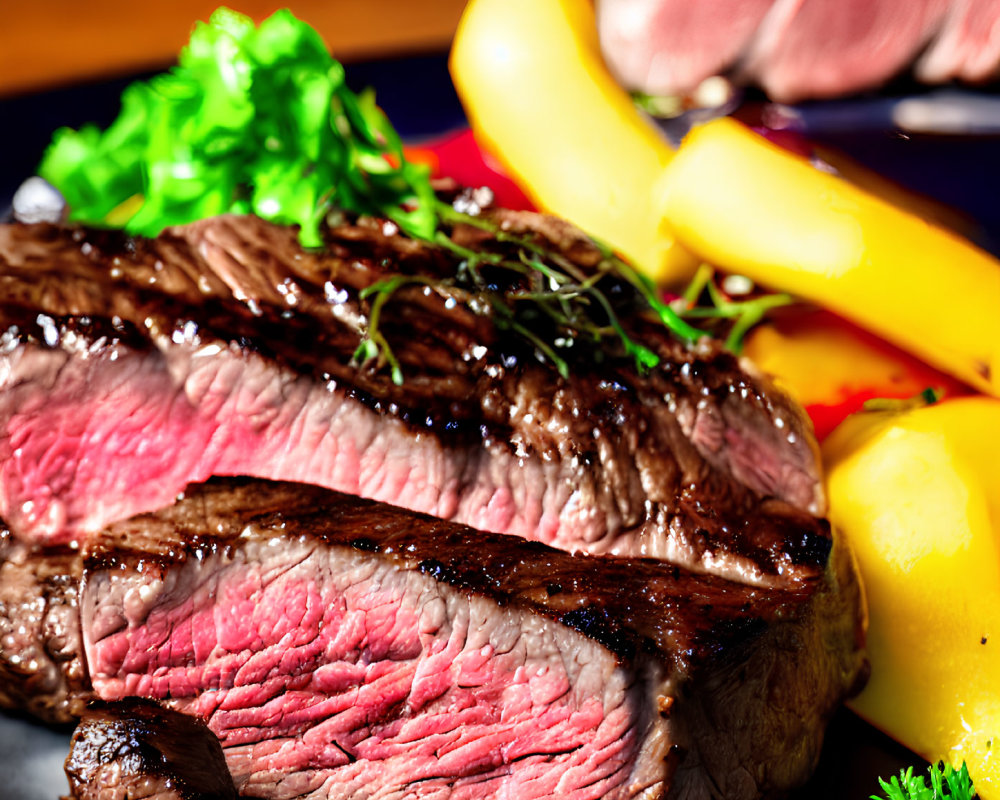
pixel 343 648
pixel 816 49
pixel 967 45
pixel 131 367
pixel 136 749
pixel 798 49
pixel 642 40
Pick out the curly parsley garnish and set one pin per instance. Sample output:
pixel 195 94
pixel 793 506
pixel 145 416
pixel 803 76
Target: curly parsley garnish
pixel 251 120
pixel 946 783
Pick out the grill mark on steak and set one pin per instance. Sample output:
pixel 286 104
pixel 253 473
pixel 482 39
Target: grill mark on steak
pixel 218 516
pixel 369 655
pixel 684 684
pixel 130 367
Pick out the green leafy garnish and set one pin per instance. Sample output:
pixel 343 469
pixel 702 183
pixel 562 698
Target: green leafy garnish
pixel 260 120
pixel 945 782
pixel 251 120
pixel 659 106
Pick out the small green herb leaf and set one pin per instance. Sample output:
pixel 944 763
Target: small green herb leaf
pixel 945 782
pixel 898 405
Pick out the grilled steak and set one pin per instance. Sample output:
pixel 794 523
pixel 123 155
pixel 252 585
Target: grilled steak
pixel 131 367
pixel 343 648
pixel 139 750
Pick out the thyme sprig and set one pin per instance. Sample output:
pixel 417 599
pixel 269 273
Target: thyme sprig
pixel 373 345
pixel 574 288
pixel 536 292
pixel 743 314
pixel 897 405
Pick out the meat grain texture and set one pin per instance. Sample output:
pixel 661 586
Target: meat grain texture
pixel 344 648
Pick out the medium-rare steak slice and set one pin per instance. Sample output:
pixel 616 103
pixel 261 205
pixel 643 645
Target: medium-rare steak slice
pixel 131 367
pixel 136 749
pixel 343 648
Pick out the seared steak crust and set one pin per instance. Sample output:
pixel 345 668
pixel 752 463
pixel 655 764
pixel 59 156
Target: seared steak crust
pixel 136 749
pixel 342 648
pixel 41 669
pixel 627 604
pixel 130 367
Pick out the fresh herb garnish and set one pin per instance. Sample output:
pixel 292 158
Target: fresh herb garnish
pixel 253 119
pixel 898 405
pixel 536 292
pixel 260 120
pixel 373 344
pixel 742 314
pixel 659 106
pixel 945 782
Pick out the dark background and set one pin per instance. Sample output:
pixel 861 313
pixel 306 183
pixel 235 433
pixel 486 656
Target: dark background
pixel 417 94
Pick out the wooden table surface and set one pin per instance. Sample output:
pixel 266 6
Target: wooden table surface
pixel 47 43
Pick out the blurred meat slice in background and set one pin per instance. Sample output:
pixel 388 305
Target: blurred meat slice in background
pixel 819 48
pixel 798 49
pixel 665 47
pixel 968 45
